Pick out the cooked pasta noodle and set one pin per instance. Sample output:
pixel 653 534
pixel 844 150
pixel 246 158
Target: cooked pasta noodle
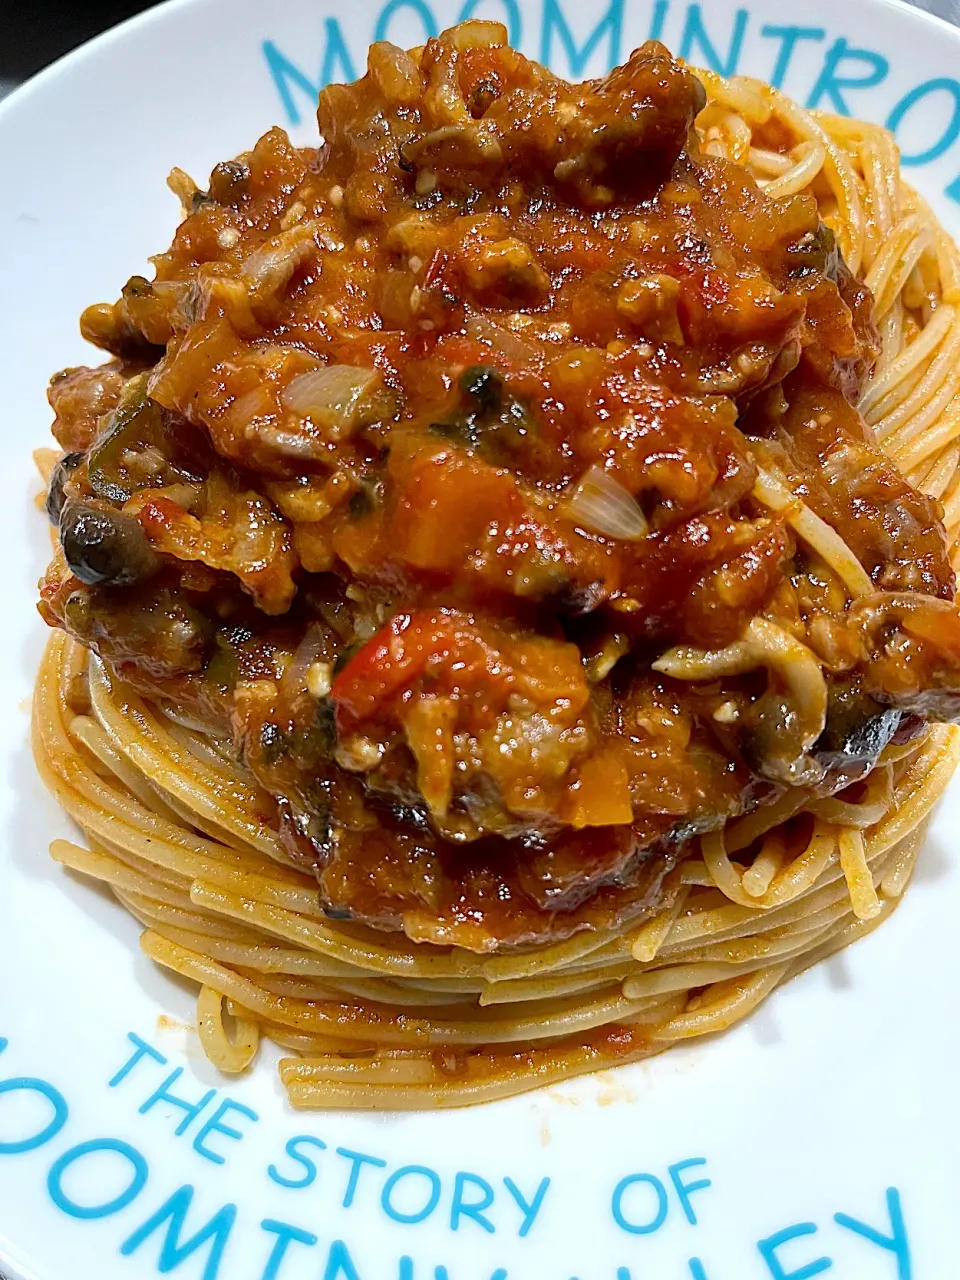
pixel 397 1024
pixel 174 826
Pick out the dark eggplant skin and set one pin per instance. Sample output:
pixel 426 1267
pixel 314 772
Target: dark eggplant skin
pixel 858 727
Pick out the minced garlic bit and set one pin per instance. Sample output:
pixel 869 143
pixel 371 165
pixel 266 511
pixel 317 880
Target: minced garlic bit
pixel 319 679
pixel 228 237
pixel 293 215
pixel 359 754
pixel 727 713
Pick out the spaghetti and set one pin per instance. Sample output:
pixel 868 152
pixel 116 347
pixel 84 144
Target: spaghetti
pixel 182 832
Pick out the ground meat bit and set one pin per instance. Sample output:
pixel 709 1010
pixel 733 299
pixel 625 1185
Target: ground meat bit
pixel 79 398
pixel 341 509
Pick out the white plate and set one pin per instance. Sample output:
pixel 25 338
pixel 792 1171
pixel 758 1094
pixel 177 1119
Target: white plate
pixel 838 1097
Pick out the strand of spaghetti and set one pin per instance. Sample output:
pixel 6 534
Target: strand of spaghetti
pixel 875 803
pixel 876 152
pixel 651 936
pixel 951 509
pixel 693 871
pixel 724 1005
pixel 713 961
pixel 381 1024
pixel 757 878
pixel 229 1054
pixel 761 948
pixel 366 990
pixel 210 752
pixel 824 910
pixel 838 171
pixel 311 1045
pixel 888 390
pixel 898 256
pixel 768 164
pixel 908 446
pixel 208 792
pixel 789 884
pixel 99 822
pixel 891 344
pixel 728 135
pixel 898 875
pixel 723 919
pixel 917 476
pixel 764 644
pixel 920 788
pixel 853 860
pixel 683 977
pixel 739 94
pixel 742 832
pixel 210 934
pixel 112 813
pixel 546 959
pixel 45 460
pixel 850 933
pixel 552 985
pixel 309 1087
pixel 317 936
pixel 939 372
pixel 945 250
pixel 810 160
pixel 149 870
pixel 114 873
pixel 945 467
pixel 877 171
pixel 725 876
pixel 227 868
pixel 720 927
pixel 723 922
pixel 773 493
pixel 381 1068
pixel 266 957
pixel 933 441
pixel 89 732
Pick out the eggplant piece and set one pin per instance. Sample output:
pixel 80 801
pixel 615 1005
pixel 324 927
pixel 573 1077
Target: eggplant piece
pixel 491 421
pixel 858 728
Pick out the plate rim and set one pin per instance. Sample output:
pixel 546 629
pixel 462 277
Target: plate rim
pixel 159 13
pixel 12 1266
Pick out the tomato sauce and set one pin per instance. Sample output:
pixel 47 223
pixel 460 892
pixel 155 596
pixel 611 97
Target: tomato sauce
pixel 423 444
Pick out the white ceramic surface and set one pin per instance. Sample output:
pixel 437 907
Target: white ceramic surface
pixel 820 1137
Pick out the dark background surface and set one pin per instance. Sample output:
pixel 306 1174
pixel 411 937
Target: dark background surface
pixel 34 33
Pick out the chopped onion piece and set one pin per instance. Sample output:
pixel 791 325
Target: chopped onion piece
pixel 602 505
pixel 271 267
pixel 332 396
pixel 505 342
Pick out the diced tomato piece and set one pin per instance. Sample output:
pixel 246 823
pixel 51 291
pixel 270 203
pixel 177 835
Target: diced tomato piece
pixel 397 655
pixel 447 502
pixel 600 797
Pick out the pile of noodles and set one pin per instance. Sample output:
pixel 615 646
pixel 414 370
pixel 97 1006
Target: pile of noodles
pixel 175 827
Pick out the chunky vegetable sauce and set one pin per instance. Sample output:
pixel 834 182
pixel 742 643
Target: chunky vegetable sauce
pixel 422 447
